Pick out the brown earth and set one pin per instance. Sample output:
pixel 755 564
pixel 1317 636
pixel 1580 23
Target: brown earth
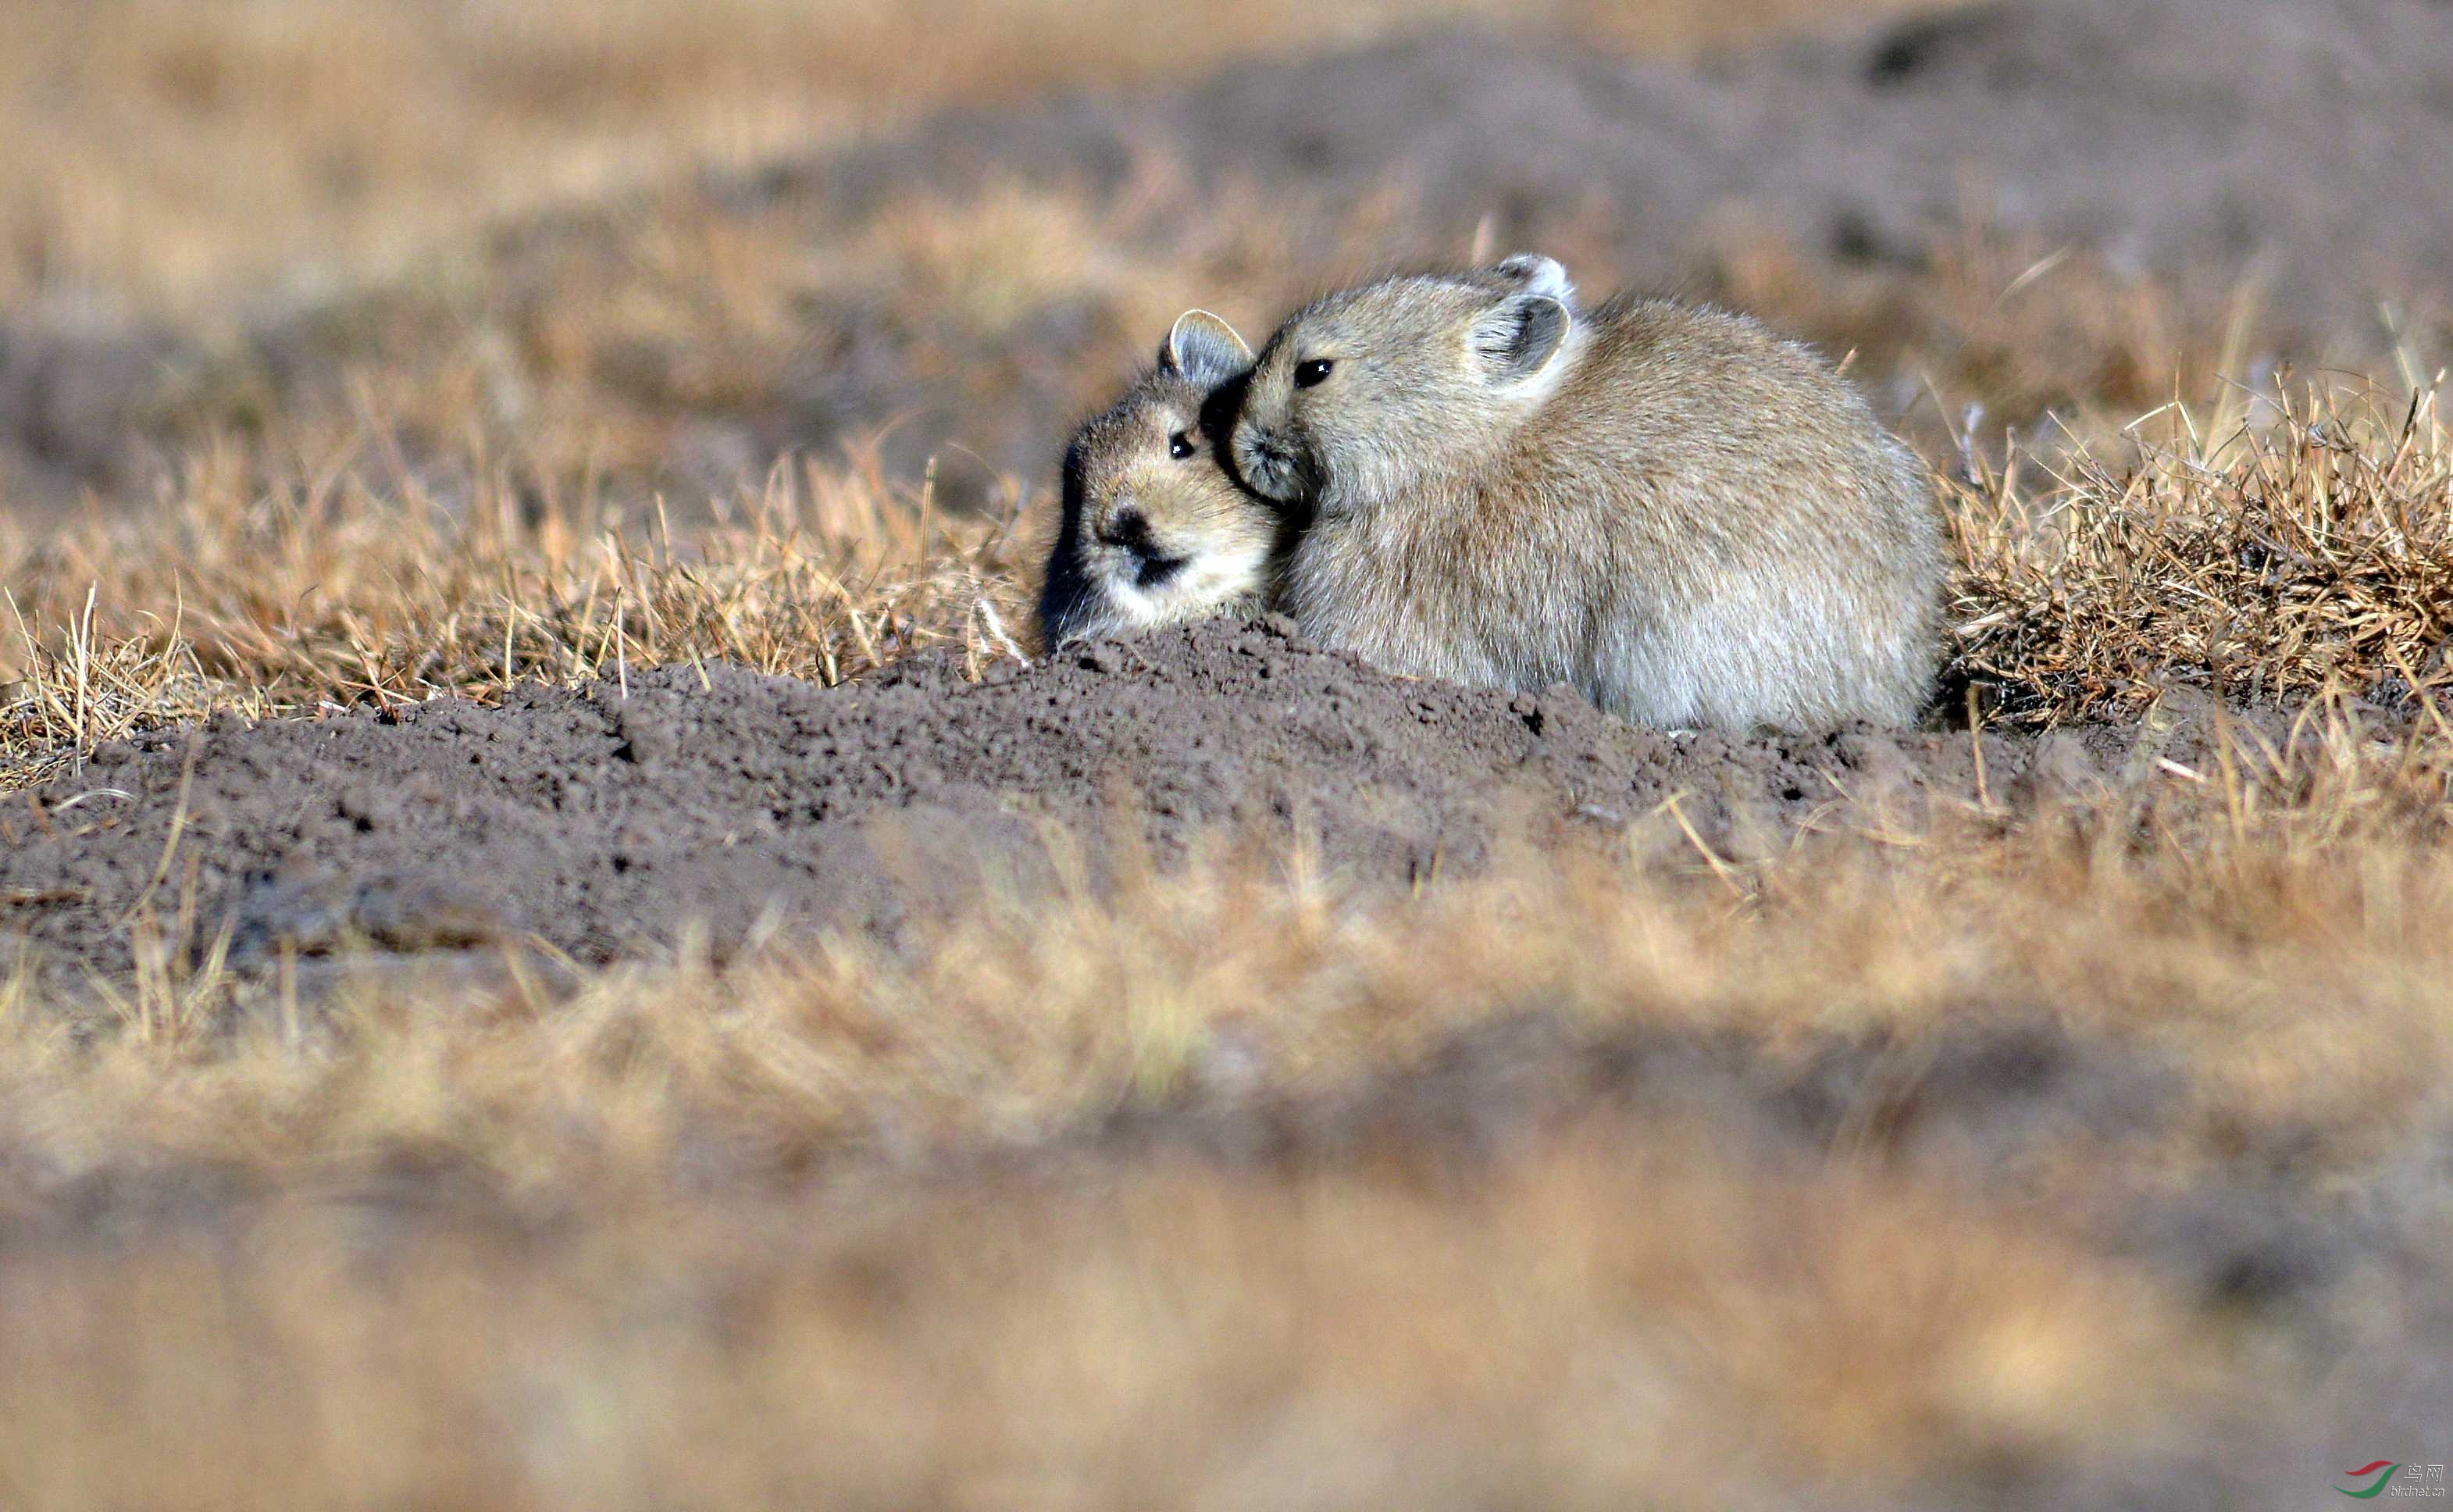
pixel 604 818
pixel 602 821
pixel 2191 143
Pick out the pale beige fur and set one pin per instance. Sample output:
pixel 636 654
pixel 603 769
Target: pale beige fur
pixel 1671 508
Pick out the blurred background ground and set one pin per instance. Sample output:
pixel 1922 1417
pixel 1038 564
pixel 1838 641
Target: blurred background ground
pixel 656 253
pixel 2051 1113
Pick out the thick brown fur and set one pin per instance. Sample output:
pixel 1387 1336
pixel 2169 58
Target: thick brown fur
pixel 1155 530
pixel 1671 508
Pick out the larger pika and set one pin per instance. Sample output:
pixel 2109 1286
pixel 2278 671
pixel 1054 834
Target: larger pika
pixel 1155 530
pixel 1687 518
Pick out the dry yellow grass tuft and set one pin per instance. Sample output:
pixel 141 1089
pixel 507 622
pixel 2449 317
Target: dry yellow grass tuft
pixel 290 599
pixel 2283 546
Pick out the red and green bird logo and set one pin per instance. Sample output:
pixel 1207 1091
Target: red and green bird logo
pixel 2377 1488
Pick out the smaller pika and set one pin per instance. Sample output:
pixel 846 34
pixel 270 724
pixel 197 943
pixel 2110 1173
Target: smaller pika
pixel 1155 530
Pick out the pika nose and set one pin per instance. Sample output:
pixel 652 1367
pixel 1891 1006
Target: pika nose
pixel 1125 526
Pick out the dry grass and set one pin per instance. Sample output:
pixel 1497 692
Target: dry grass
pixel 635 347
pixel 331 594
pixel 1172 1336
pixel 2276 927
pixel 2276 549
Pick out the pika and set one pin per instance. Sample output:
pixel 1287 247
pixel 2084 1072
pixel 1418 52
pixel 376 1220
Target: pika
pixel 1155 529
pixel 1679 513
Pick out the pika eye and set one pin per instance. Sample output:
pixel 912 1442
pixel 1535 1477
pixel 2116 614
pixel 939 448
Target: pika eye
pixel 1179 446
pixel 1309 373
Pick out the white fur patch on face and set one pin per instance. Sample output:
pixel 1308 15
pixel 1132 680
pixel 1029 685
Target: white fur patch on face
pixel 1129 605
pixel 1209 581
pixel 1218 576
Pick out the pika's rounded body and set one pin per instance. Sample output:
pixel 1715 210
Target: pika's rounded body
pixel 1155 530
pixel 1671 508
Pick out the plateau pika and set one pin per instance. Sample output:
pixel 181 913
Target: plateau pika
pixel 1683 516
pixel 1155 530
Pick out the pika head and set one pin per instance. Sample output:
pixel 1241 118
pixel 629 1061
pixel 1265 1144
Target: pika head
pixel 1367 391
pixel 1155 530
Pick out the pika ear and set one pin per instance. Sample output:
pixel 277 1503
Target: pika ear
pixel 1521 335
pixel 1204 349
pixel 1537 275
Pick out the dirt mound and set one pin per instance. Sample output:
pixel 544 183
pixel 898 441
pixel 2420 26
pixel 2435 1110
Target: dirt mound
pixel 601 822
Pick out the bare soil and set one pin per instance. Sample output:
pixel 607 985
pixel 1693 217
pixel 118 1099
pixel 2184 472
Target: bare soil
pixel 609 819
pixel 604 820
